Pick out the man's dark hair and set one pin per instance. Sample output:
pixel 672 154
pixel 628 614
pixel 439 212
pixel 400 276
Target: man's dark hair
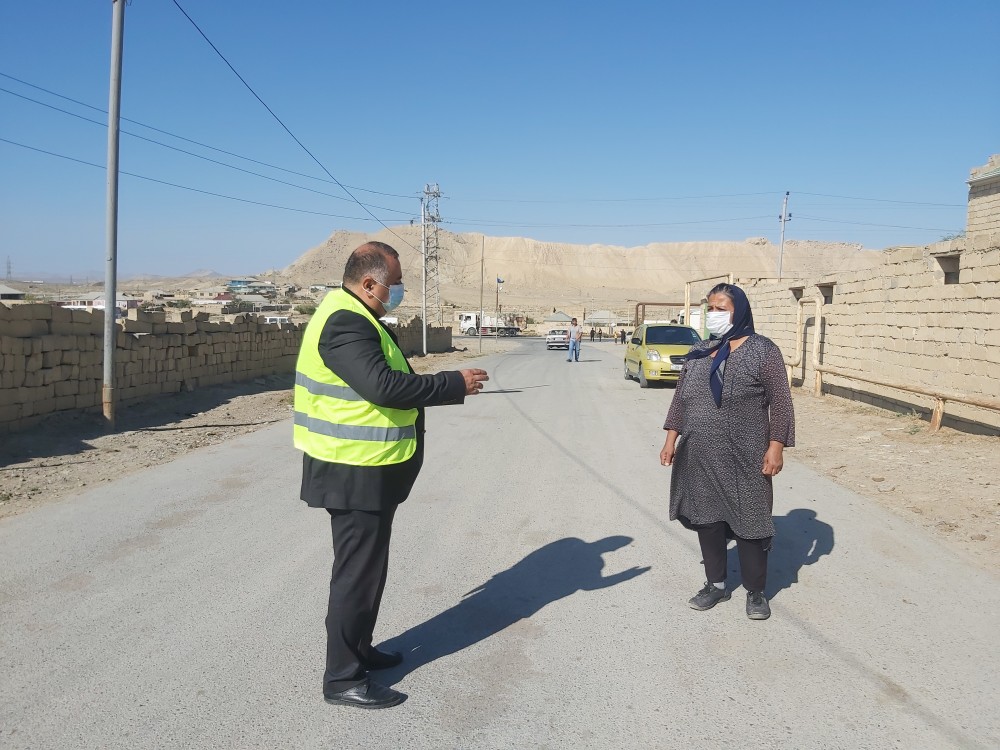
pixel 371 258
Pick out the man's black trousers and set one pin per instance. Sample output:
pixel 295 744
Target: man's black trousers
pixel 360 566
pixel 752 552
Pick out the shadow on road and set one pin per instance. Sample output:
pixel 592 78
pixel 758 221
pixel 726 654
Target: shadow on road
pixel 800 539
pixel 548 574
pixel 513 390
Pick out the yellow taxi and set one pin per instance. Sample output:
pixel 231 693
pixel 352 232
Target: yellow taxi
pixel 656 352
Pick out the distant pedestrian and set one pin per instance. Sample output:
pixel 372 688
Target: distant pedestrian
pixel 622 334
pixel 592 334
pixel 574 337
pixel 600 334
pixel 728 424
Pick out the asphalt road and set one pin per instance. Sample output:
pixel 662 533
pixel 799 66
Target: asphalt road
pixel 536 587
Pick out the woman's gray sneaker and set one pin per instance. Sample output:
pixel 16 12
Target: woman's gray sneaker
pixel 708 597
pixel 757 606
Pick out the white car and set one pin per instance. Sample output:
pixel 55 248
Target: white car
pixel 557 339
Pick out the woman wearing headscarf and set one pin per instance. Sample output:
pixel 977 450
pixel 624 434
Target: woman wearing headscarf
pixel 730 420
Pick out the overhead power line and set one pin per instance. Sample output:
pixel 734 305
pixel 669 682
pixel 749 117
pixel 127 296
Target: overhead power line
pixel 451 198
pixel 486 222
pixel 455 223
pixel 187 187
pixel 881 200
pixel 868 224
pixel 612 200
pixel 285 127
pixel 202 157
pixel 190 140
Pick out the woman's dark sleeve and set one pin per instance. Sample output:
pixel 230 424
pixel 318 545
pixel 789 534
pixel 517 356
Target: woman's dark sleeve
pixel 779 397
pixel 675 414
pixel 351 347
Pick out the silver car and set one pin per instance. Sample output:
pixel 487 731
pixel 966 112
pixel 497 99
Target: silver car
pixel 557 339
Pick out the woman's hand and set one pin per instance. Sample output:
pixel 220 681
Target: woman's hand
pixel 667 452
pixel 773 459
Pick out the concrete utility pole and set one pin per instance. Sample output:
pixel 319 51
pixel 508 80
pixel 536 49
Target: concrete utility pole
pixel 482 284
pixel 111 266
pixel 784 218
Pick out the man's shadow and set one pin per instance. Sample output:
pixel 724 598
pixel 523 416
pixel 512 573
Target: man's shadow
pixel 799 539
pixel 548 574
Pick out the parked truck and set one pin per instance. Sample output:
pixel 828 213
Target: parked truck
pixel 490 325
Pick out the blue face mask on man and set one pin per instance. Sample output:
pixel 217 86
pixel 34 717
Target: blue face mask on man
pixel 395 296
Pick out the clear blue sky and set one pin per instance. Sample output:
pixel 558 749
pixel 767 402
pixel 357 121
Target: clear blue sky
pixel 538 119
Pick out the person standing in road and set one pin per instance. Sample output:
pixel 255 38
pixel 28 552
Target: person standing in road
pixel 727 427
pixel 359 419
pixel 593 333
pixel 622 334
pixel 574 336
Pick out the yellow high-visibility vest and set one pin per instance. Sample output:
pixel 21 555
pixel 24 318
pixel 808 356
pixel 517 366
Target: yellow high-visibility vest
pixel 334 423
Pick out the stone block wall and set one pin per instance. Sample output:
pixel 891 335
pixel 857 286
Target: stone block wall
pixel 51 358
pixel 411 337
pixel 901 322
pixel 983 224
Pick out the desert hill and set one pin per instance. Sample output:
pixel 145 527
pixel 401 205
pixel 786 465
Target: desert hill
pixel 539 275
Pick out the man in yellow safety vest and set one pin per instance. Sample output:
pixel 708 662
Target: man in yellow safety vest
pixel 359 422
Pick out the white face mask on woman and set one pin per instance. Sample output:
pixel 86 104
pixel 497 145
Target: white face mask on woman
pixel 718 322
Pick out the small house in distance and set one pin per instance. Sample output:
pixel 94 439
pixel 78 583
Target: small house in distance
pixel 95 301
pixel 9 293
pixel 558 319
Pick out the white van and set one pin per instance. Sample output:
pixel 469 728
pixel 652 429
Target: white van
pixel 279 319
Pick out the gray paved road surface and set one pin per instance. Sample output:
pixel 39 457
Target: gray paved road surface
pixel 536 587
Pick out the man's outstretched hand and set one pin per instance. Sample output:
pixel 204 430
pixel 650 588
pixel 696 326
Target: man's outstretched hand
pixel 474 380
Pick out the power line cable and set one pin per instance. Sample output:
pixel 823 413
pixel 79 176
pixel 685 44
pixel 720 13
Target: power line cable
pixel 609 200
pixel 196 143
pixel 187 187
pixel 200 156
pixel 467 200
pixel 286 128
pixel 868 224
pixel 483 222
pixel 879 200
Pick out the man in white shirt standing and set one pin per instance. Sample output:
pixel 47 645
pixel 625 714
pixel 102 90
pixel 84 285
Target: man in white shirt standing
pixel 574 336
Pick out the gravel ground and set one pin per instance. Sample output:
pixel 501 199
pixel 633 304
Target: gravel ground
pixel 945 482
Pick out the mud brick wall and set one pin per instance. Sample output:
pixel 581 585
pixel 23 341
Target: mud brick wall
pixel 899 321
pixel 983 222
pixel 51 358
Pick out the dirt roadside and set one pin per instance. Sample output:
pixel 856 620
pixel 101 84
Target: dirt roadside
pixel 946 482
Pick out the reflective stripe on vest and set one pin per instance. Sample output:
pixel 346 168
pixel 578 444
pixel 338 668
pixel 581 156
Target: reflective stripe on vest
pixel 355 432
pixel 343 392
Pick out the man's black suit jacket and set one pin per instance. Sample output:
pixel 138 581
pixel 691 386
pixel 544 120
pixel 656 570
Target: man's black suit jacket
pixel 351 347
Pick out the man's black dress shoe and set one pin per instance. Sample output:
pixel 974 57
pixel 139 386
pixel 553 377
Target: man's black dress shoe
pixel 367 695
pixel 382 659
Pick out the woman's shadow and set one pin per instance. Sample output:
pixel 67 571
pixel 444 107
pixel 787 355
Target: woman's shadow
pixel 799 539
pixel 546 575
